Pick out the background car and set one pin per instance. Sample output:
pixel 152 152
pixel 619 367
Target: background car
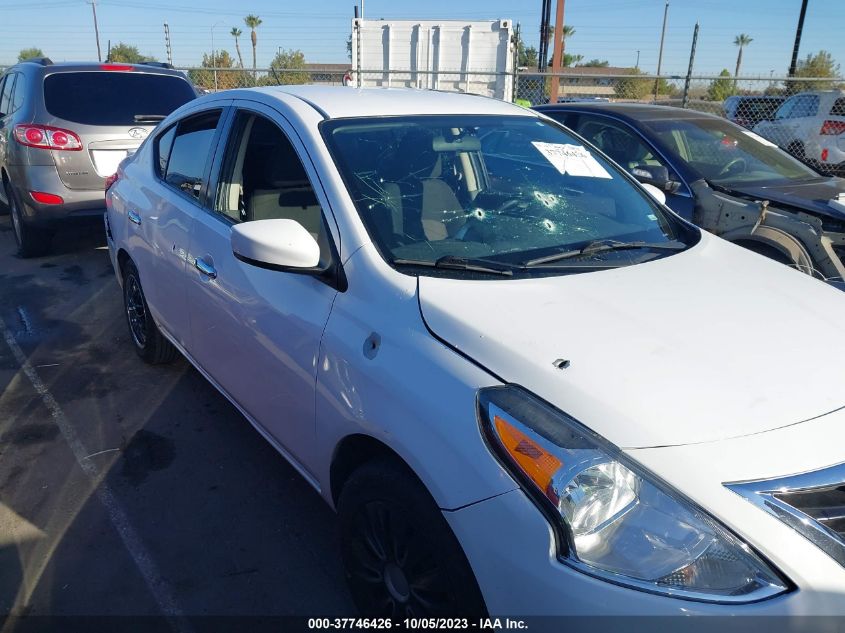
pixel 748 110
pixel 725 178
pixel 805 124
pixel 492 353
pixel 64 128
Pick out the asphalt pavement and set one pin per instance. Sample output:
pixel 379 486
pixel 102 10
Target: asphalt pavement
pixel 130 490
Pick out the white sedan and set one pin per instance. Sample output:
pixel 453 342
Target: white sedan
pixel 524 385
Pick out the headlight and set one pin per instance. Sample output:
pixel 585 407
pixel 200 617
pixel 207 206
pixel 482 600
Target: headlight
pixel 613 519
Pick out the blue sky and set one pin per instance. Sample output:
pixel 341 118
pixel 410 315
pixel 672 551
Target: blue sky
pixel 607 29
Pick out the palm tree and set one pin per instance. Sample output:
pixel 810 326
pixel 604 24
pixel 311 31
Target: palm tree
pixel 236 33
pixel 253 22
pixel 568 31
pixel 741 40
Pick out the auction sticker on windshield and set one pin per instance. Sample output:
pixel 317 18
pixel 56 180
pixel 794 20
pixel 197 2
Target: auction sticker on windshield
pixel 574 160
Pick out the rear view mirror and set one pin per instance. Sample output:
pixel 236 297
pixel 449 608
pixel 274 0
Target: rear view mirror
pixel 656 175
pixel 275 244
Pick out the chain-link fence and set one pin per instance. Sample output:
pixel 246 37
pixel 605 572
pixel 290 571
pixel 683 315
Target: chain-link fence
pixel 811 126
pixel 214 79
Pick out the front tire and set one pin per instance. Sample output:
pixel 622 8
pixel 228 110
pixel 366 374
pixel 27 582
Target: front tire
pixel 31 241
pixel 147 339
pixel 400 555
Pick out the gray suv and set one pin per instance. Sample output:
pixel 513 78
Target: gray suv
pixel 63 130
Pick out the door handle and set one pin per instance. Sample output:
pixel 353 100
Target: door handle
pixel 205 268
pixel 134 217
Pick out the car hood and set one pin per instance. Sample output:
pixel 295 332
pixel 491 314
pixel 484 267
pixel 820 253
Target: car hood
pixel 812 196
pixel 712 343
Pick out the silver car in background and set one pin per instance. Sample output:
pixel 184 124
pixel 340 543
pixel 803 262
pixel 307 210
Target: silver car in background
pixel 64 127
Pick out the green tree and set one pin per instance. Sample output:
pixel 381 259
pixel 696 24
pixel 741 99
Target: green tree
pixel 570 59
pixel 820 65
pixel 287 67
pixel 236 33
pixel 742 40
pixel 634 87
pixel 595 63
pixel 720 89
pixel 222 62
pixel 253 22
pixel 128 54
pixel 30 53
pixel 526 55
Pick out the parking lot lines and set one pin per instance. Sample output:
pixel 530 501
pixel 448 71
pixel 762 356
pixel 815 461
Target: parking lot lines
pixel 158 586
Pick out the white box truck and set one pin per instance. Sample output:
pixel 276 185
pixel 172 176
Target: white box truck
pixel 453 55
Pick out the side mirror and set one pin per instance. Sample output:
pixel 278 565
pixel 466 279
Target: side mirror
pixel 656 175
pixel 275 244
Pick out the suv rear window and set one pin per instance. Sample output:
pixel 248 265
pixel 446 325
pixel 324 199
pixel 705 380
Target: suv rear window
pixel 113 97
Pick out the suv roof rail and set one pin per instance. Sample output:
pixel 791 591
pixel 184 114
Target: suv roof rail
pixel 44 61
pixel 157 64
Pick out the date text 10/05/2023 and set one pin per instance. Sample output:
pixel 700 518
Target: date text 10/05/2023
pixel 357 624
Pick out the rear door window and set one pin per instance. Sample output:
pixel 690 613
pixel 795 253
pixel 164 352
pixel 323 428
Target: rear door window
pixel 164 144
pixel 805 106
pixel 18 94
pixel 113 97
pixel 191 151
pixel 6 94
pixel 838 108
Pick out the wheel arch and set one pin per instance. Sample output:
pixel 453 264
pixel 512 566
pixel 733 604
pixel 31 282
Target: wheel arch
pixel 122 258
pixel 352 452
pixel 779 241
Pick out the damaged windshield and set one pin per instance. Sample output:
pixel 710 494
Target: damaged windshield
pixel 494 194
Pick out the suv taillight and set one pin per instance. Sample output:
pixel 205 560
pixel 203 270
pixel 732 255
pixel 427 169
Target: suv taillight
pixel 833 128
pixel 110 180
pixel 47 137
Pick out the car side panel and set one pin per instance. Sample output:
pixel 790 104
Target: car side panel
pixel 382 374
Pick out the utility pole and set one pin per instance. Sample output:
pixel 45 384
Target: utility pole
pixel 545 36
pixel 93 4
pixel 557 56
pixel 637 65
pixel 800 28
pixel 685 101
pixel 660 54
pixel 167 44
pixel 214 56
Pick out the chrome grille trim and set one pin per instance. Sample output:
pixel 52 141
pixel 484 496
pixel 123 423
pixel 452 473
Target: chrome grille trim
pixel 762 494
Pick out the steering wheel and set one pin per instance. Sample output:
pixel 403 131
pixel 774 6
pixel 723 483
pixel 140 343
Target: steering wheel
pixel 731 165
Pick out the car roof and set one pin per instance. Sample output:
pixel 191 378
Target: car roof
pixel 630 111
pixel 342 102
pixel 48 67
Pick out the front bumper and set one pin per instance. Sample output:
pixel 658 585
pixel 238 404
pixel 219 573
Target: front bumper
pixel 512 549
pixel 78 203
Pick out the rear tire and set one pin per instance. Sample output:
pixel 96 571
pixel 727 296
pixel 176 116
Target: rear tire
pixel 400 555
pixel 31 241
pixel 147 339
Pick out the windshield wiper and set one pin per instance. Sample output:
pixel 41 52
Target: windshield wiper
pixel 601 246
pixel 149 117
pixel 452 262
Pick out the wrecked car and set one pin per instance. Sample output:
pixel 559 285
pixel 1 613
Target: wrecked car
pixel 727 179
pixel 517 379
